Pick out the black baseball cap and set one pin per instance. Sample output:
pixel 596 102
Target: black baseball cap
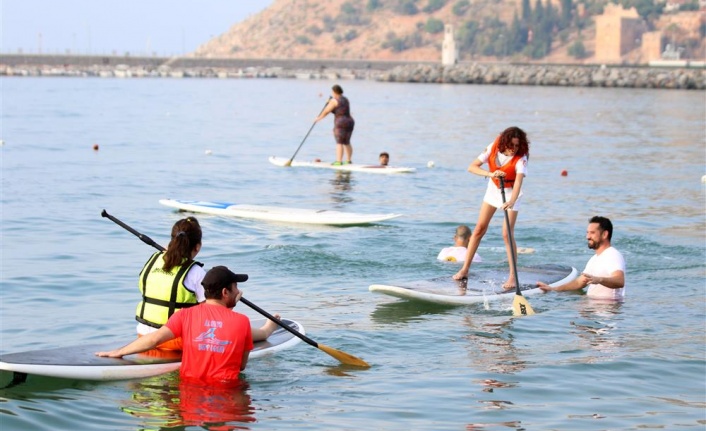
pixel 219 277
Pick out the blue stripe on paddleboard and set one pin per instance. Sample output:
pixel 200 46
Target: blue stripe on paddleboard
pixel 219 205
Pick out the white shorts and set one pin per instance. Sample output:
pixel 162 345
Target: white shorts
pixel 494 198
pixel 143 329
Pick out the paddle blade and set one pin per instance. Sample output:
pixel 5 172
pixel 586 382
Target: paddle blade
pixel 344 357
pixel 288 163
pixel 520 306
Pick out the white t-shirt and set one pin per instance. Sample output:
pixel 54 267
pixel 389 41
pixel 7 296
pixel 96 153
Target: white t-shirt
pixel 456 254
pixel 603 265
pixel 492 192
pixel 192 281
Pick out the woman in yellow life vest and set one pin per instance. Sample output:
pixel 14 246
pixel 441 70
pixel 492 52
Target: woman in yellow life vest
pixel 506 157
pixel 171 280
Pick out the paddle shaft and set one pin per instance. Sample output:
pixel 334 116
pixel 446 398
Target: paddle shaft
pixel 149 241
pixel 289 163
pixel 510 239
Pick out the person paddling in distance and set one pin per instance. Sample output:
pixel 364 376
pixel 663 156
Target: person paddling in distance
pixel 604 274
pixel 217 342
pixel 457 253
pixel 506 157
pixel 343 124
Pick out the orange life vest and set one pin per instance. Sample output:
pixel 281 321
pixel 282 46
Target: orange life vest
pixel 508 168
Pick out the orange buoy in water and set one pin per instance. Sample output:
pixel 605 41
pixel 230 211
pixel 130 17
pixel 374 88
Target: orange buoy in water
pixel 564 173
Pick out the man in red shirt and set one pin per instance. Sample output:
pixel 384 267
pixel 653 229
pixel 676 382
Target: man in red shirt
pixel 216 341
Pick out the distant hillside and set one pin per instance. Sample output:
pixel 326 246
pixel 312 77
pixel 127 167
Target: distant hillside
pixel 412 30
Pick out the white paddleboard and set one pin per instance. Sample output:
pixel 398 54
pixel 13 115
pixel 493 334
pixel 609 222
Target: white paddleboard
pixel 81 363
pixel 480 286
pixel 374 169
pixel 278 214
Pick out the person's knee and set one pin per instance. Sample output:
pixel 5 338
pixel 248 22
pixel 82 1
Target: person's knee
pixel 479 231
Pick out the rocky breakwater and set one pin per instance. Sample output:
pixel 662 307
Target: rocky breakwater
pixel 550 75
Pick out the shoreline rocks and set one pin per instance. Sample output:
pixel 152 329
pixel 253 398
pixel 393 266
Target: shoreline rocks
pixel 550 75
pixel 684 78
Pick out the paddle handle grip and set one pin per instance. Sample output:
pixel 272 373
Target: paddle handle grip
pixel 147 240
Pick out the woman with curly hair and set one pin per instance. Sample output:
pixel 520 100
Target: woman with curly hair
pixel 507 158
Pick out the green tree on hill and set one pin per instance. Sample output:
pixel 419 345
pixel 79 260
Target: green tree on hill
pixel 526 11
pixel 373 5
pixel 434 5
pixel 647 9
pixel 406 7
pixel 461 7
pixel 567 10
pixel 518 35
pixel 434 26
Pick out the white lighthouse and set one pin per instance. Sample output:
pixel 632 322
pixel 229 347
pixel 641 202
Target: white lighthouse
pixel 449 53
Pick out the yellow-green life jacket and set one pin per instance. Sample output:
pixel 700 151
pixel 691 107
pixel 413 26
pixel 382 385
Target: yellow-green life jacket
pixel 163 292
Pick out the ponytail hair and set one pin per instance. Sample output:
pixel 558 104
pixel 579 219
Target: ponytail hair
pixel 186 235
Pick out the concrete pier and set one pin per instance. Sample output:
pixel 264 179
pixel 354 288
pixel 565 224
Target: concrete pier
pixel 682 76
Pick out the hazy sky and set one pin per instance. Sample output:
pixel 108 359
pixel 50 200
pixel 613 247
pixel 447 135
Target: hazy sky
pixel 164 27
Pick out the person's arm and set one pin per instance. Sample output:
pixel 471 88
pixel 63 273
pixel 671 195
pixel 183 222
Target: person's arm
pixel 577 283
pixel 146 342
pixel 330 106
pixel 463 272
pixel 193 282
pixel 475 168
pixel 516 187
pixel 263 332
pixel 615 281
pixel 244 360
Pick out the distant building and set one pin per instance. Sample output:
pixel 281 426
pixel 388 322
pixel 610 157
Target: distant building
pixel 680 30
pixel 449 52
pixel 618 31
pixel 651 48
pixel 673 5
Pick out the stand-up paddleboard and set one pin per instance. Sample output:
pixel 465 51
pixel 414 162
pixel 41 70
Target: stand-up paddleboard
pixel 280 339
pixel 81 363
pixel 375 169
pixel 480 286
pixel 278 214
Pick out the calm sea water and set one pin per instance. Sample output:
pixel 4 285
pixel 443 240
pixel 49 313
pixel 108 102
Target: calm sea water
pixel 69 275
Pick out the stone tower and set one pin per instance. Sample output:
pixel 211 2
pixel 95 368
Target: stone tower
pixel 651 46
pixel 617 32
pixel 449 53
